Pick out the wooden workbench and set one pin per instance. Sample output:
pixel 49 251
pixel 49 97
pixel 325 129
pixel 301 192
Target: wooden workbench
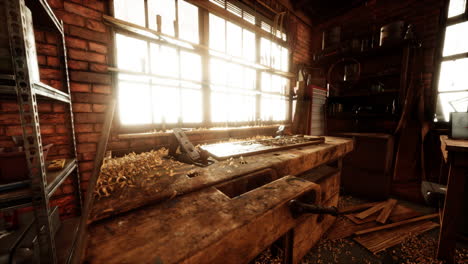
pixel 205 218
pixel 455 153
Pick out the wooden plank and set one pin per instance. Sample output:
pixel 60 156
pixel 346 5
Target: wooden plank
pixel 383 216
pixel 371 210
pixel 456 145
pixel 376 242
pixel 412 220
pixel 355 208
pixel 343 228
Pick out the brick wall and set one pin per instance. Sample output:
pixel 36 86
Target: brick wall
pixel 88 46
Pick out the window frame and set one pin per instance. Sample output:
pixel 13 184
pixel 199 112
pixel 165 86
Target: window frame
pixel 202 49
pixel 446 22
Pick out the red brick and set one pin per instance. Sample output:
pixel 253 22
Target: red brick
pixel 88 156
pixel 88 137
pixel 86 166
pixel 75 43
pixel 98 127
pixel 80 87
pixel 88 34
pixel 98 5
pixel 96 25
pixel 54 118
pixel 47 129
pixel 56 140
pixel 83 108
pixel 98 67
pixel 41 60
pixel 57 84
pixel 70 19
pixel 86 147
pixel 85 176
pixel 14 130
pixel 91 98
pixel 86 56
pixel 44 107
pixel 61 129
pixel 97 47
pixel 104 89
pixel 81 128
pixel 46 49
pixel 58 4
pixel 53 61
pixel 50 73
pixel 90 77
pixel 9 119
pixel 99 108
pixel 81 10
pixel 51 38
pixel 89 118
pixel 39 36
pixel 77 65
pixel 9 107
pixel 58 108
pixel 114 145
pixel 68 188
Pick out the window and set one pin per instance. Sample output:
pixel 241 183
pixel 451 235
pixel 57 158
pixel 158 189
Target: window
pixel 453 80
pixel 163 83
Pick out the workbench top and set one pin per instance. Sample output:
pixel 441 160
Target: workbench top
pixel 189 178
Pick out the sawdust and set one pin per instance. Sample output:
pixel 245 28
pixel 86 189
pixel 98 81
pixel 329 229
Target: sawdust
pixel 132 171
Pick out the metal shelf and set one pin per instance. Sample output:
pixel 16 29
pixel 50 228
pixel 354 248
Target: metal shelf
pixel 22 197
pixel 43 90
pixel 65 239
pixel 43 16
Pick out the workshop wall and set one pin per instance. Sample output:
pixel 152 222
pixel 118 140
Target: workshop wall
pixel 88 42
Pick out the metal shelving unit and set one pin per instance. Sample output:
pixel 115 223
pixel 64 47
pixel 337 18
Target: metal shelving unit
pixel 55 246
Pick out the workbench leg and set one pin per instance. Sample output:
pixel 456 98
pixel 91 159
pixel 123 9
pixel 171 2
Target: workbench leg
pixel 451 214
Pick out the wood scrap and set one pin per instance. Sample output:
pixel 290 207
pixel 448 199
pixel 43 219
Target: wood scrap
pixel 378 241
pixel 56 165
pixel 387 210
pixel 356 208
pixel 399 213
pixel 343 228
pixel 358 221
pixel 412 220
pixel 371 210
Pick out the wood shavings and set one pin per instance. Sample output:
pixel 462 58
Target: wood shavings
pixel 132 171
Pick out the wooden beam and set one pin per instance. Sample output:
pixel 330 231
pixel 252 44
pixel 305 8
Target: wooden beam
pixel 371 210
pixel 355 208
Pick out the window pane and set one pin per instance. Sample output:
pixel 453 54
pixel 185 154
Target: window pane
pixel 191 106
pixel 456 39
pixel 164 60
pixel 250 77
pixel 166 106
pixel 273 108
pixel 134 103
pixel 218 72
pixel 164 8
pixel 232 107
pixel 248 47
pixel 284 59
pixel 453 75
pixel 234 40
pixel 452 102
pixel 276 56
pixel 235 73
pixel 456 7
pixel 266 82
pixel 265 51
pixel 131 53
pixel 188 22
pixel 217 33
pixel 190 66
pixel 131 11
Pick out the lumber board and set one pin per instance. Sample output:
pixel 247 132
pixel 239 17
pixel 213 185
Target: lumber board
pixel 411 220
pixel 379 241
pixel 374 209
pixel 165 187
pixel 356 208
pixel 399 213
pixel 343 228
pixel 387 210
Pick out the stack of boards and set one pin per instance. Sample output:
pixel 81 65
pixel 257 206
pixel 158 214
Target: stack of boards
pixel 380 225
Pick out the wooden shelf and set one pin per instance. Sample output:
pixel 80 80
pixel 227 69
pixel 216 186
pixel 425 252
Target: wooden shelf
pixel 366 94
pixel 22 197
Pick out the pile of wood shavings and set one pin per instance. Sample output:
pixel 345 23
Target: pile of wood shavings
pixel 132 170
pixel 266 257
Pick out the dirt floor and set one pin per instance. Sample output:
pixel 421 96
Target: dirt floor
pixel 414 250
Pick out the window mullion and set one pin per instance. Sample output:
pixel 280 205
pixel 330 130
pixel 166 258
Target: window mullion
pixel 204 30
pixel 258 79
